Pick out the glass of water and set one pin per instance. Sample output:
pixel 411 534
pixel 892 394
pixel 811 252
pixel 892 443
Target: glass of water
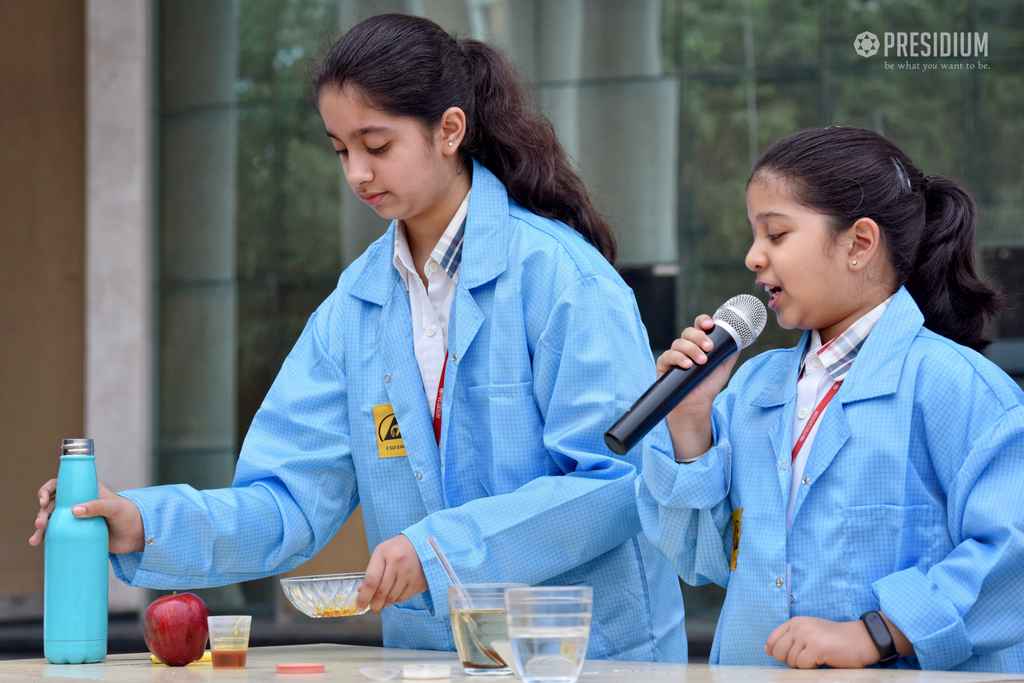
pixel 548 629
pixel 478 625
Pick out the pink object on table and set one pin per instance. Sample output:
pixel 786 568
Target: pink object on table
pixel 300 668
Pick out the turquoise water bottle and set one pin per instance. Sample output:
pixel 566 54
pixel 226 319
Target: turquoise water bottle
pixel 75 565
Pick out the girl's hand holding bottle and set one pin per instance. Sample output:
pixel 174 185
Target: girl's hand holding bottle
pixel 124 521
pixel 689 423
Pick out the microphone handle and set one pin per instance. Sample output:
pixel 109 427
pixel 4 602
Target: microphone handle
pixel 665 394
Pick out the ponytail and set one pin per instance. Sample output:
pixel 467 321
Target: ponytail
pixel 518 144
pixel 928 223
pixel 410 66
pixel 954 300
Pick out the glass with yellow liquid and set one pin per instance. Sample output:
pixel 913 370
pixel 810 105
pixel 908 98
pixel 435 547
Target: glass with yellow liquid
pixel 478 625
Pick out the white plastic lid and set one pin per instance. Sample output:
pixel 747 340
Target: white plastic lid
pixel 423 672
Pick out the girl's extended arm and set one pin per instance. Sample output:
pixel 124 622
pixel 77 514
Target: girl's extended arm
pixel 294 486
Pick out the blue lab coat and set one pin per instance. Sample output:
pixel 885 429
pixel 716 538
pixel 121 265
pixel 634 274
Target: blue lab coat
pixel 546 350
pixel 910 502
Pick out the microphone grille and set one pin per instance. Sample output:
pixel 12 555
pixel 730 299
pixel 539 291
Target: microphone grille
pixel 744 313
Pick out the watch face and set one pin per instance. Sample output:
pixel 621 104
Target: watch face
pixel 876 628
pixel 879 633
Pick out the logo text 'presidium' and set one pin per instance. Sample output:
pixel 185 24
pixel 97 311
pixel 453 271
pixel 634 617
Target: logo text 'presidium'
pixel 936 44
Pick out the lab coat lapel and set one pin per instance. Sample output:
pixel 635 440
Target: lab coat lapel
pixel 463 324
pixel 875 372
pixel 376 275
pixel 778 392
pixel 405 392
pixel 484 257
pixel 832 435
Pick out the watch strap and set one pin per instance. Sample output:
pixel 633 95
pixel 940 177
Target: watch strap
pixel 881 636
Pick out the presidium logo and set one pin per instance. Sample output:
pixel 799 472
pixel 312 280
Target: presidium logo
pixel 923 44
pixel 866 44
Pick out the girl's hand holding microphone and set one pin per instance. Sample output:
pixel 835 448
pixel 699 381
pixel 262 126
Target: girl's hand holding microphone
pixel 690 421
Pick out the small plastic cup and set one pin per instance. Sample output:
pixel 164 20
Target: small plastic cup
pixel 229 640
pixel 549 629
pixel 478 625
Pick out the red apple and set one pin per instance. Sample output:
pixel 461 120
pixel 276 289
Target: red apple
pixel 174 628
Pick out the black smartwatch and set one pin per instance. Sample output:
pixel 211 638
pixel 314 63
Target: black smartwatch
pixel 879 633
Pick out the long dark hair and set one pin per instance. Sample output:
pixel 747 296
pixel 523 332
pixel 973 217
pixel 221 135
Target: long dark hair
pixel 928 223
pixel 410 66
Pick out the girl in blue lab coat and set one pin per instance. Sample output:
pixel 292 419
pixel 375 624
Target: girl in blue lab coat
pixel 889 527
pixel 458 381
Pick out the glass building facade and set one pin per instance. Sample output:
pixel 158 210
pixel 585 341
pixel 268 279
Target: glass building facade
pixel 662 104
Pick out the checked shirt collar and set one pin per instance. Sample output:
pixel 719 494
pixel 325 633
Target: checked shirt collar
pixel 447 252
pixel 838 355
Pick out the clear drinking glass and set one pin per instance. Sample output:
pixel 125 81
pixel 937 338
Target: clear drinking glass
pixel 549 628
pixel 478 625
pixel 229 641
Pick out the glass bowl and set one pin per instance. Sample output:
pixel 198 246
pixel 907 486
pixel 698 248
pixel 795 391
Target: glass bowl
pixel 328 595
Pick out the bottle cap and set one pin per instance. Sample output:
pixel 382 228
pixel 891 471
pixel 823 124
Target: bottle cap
pixel 76 447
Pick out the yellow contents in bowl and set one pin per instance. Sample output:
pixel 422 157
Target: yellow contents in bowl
pixel 335 608
pixel 347 611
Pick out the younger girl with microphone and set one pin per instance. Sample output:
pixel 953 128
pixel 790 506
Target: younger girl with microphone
pixel 858 495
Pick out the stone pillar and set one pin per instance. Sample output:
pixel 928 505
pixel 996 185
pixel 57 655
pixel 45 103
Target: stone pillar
pixel 600 83
pixel 198 324
pixel 118 254
pixel 198 293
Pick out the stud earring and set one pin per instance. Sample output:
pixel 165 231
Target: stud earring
pixel 451 144
pixel 853 262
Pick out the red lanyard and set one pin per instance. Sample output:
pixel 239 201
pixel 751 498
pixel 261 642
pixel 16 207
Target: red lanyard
pixel 814 417
pixel 437 403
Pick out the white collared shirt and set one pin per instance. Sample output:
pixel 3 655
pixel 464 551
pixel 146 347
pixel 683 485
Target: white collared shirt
pixel 432 305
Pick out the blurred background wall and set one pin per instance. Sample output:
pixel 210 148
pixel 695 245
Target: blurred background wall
pixel 42 270
pixel 171 213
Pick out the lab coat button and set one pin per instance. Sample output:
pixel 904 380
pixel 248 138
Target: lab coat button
pixel 783 465
pixel 806 481
pixel 802 414
pixel 149 541
pixel 387 378
pixel 430 331
pixel 419 475
pixel 779 582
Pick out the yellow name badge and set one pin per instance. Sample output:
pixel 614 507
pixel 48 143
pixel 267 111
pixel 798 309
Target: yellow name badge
pixel 389 437
pixel 737 517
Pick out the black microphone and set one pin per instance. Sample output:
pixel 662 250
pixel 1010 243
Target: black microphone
pixel 737 324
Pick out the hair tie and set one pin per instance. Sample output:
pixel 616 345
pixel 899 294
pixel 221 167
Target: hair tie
pixel 901 175
pixel 925 182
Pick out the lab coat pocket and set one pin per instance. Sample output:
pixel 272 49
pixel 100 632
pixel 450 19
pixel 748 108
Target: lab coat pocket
pixel 412 621
pixel 879 540
pixel 504 431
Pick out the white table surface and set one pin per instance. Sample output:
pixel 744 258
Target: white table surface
pixel 343 662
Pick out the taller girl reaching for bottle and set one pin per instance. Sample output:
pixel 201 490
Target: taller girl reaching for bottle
pixel 456 383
